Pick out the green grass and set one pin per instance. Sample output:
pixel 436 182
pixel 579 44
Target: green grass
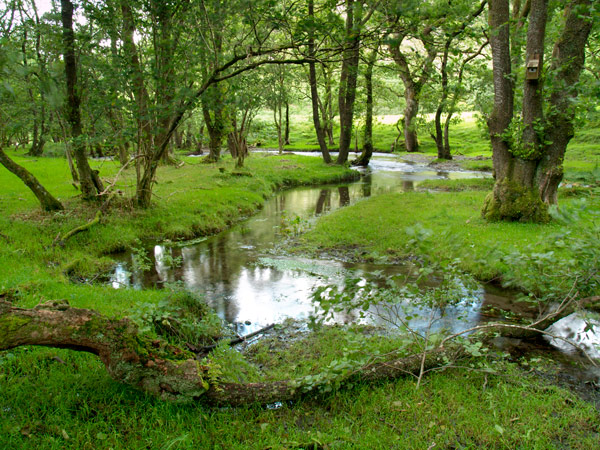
pixel 56 399
pixel 383 226
pixel 466 184
pixel 195 200
pixel 59 399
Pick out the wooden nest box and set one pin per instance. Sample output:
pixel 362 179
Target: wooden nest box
pixel 533 67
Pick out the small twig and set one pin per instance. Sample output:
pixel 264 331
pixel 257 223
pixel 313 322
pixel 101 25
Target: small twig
pixel 422 368
pixel 391 425
pixel 526 328
pixel 74 231
pixel 114 182
pixel 232 342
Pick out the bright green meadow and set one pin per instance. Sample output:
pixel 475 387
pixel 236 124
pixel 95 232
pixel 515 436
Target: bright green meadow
pixel 61 399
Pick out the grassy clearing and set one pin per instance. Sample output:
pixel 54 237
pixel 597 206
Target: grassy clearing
pixel 467 184
pixel 195 200
pixel 388 227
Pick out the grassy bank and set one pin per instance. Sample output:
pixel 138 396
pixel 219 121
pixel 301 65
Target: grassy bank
pixel 194 200
pixel 59 399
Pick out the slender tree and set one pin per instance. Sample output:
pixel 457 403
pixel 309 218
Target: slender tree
pixel 349 75
pixel 312 79
pixel 89 181
pixel 367 152
pixel 47 201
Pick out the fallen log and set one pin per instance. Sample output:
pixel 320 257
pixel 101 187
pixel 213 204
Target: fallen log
pixel 158 368
pixel 175 374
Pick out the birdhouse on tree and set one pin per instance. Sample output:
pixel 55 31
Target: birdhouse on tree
pixel 533 67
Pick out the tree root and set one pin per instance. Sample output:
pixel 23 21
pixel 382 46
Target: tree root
pixel 61 241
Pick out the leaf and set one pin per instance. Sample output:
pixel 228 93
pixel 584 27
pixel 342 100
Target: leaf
pixel 499 429
pixel 9 88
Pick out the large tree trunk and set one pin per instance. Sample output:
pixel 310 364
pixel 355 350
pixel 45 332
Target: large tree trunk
pixel 528 168
pixel 174 374
pixel 47 200
pixel 88 180
pixel 212 110
pixel 349 77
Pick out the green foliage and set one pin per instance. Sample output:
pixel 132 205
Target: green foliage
pixel 563 263
pixel 181 317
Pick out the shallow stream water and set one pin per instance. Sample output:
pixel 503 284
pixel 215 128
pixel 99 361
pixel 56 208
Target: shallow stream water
pixel 250 283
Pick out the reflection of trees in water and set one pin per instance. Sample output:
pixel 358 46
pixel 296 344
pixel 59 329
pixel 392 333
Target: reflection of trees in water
pixel 367 182
pixel 324 201
pixel 344 195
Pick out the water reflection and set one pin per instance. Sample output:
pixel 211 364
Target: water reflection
pixel 344 194
pixel 226 268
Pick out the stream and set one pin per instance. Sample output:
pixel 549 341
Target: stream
pixel 251 283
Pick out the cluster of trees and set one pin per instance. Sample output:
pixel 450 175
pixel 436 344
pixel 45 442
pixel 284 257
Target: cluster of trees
pixel 136 78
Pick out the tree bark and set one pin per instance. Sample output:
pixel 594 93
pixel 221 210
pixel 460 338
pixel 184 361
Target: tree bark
pixel 413 85
pixel 287 123
pixel 47 200
pixel 314 93
pixel 528 167
pixel 367 152
pixel 349 77
pixel 89 181
pixel 212 110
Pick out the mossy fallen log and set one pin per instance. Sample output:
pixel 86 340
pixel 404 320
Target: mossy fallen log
pixel 161 369
pixel 61 240
pixel 175 374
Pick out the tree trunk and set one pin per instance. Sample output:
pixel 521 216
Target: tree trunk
pixel 47 201
pixel 367 152
pixel 443 150
pixel 163 370
pixel 287 123
pixel 314 93
pixel 38 141
pixel 212 110
pixel 413 84
pixel 349 77
pixel 174 374
pixel 411 141
pixel 528 168
pixel 89 181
